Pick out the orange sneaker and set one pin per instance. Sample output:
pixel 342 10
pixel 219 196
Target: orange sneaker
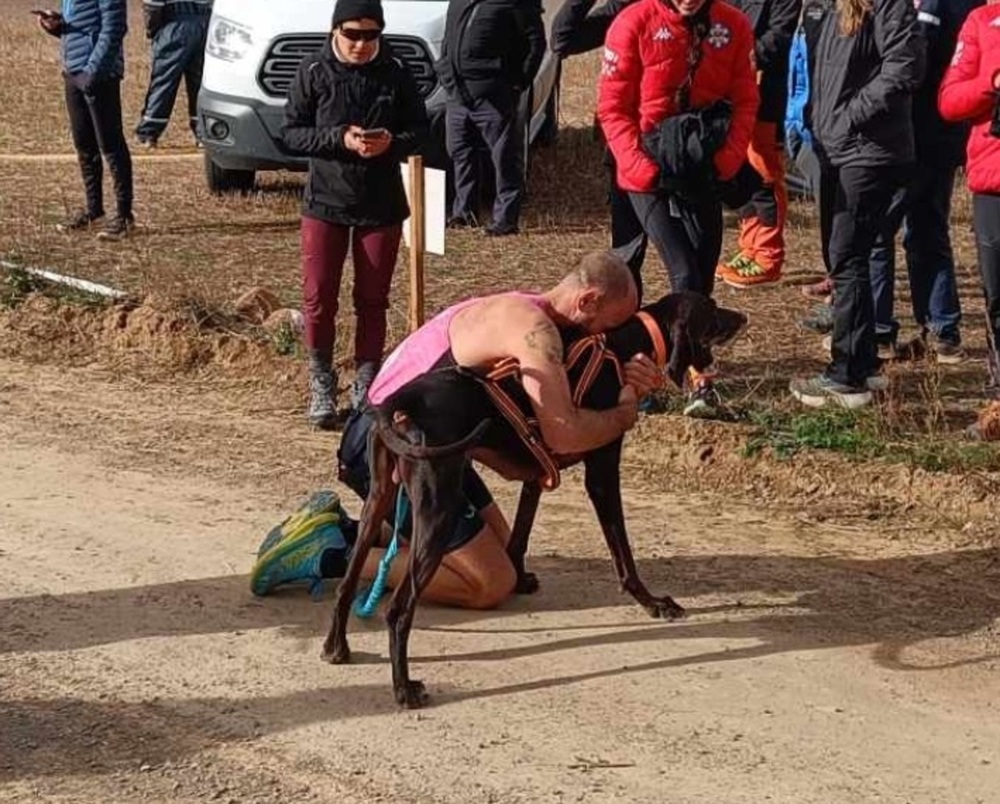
pixel 744 272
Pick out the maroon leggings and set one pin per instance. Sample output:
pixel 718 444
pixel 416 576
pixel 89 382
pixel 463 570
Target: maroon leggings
pixel 324 249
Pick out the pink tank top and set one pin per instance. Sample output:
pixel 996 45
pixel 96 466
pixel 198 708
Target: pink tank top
pixel 420 351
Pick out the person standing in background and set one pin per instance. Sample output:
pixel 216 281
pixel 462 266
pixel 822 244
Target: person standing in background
pixel 91 34
pixel 761 255
pixel 969 93
pixel 490 54
pixel 177 29
pixel 579 28
pixel 355 111
pixel 677 64
pixel 923 206
pixel 869 61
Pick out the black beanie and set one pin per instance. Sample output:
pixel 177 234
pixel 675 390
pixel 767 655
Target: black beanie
pixel 358 9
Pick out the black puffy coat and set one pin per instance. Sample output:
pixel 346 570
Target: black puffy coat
pixel 579 27
pixel 774 23
pixel 326 97
pixel 491 48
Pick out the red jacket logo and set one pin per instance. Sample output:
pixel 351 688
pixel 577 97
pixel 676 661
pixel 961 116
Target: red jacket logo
pixel 719 36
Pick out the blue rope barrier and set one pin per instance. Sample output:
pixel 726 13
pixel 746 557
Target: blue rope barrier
pixel 366 602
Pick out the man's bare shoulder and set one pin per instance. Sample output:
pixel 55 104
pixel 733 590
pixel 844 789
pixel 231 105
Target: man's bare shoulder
pixel 505 326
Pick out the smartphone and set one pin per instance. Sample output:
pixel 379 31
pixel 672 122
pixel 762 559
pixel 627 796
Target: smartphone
pixel 374 133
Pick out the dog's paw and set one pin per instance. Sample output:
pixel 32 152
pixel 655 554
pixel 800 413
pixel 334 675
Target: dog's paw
pixel 527 584
pixel 336 654
pixel 665 609
pixel 412 695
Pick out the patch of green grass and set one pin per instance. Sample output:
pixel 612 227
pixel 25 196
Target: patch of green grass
pixel 835 429
pixel 286 341
pixel 16 285
pixel 862 435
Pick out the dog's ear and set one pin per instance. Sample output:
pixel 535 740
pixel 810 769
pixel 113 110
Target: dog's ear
pixel 692 331
pixel 680 353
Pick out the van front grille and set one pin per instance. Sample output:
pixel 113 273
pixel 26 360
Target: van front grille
pixel 287 52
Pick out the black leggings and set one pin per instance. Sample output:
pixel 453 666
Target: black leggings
pixel 986 219
pixel 95 117
pixel 688 238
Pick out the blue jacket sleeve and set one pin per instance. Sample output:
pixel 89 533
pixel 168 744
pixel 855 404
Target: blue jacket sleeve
pixel 114 25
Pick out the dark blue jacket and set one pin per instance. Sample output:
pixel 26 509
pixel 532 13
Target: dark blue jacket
pixel 939 142
pixel 92 36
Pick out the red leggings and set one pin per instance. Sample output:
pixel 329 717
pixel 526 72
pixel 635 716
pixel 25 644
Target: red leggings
pixel 324 249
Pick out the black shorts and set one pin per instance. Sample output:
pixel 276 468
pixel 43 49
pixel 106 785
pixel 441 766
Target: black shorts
pixel 353 471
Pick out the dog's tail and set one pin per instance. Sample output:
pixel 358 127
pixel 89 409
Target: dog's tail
pixel 404 449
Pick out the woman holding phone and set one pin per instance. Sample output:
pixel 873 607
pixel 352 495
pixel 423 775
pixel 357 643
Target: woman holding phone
pixel 356 113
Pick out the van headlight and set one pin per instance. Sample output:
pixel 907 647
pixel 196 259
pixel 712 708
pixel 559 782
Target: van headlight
pixel 228 40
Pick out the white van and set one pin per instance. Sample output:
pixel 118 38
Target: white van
pixel 254 49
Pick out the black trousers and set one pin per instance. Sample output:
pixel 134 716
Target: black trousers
pixel 986 219
pixel 498 127
pixel 95 118
pixel 628 239
pixel 861 199
pixel 688 238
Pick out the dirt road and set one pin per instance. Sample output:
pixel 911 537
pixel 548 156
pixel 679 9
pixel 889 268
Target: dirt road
pixel 818 664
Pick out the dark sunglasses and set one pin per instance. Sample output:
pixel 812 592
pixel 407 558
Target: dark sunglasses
pixel 360 34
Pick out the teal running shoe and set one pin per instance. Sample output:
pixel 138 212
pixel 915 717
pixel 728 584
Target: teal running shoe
pixel 297 557
pixel 321 502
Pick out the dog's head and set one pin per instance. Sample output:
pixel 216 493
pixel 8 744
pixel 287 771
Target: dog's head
pixel 692 324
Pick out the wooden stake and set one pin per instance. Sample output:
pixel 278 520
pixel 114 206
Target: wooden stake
pixel 416 164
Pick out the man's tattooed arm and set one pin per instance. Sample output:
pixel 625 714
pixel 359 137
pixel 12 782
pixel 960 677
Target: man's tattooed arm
pixel 543 338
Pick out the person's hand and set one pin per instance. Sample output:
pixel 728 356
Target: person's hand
pixel 352 139
pixel 996 77
pixel 51 22
pixel 628 404
pixel 82 81
pixel 642 375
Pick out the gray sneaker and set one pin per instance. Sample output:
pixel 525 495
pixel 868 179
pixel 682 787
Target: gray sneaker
pixel 819 319
pixel 817 392
pixel 322 391
pixel 363 378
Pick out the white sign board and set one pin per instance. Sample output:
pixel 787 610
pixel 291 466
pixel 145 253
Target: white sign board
pixel 435 211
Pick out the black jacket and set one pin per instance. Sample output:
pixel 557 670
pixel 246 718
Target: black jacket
pixel 328 95
pixel 578 27
pixel 939 142
pixel 683 145
pixel 774 22
pixel 862 88
pixel 491 49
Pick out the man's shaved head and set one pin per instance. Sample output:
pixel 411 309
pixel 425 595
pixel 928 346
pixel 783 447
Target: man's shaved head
pixel 598 294
pixel 606 273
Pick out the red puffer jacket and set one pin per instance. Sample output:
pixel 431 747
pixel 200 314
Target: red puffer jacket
pixel 967 94
pixel 646 61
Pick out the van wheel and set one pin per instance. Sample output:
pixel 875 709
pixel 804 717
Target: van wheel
pixel 549 132
pixel 221 181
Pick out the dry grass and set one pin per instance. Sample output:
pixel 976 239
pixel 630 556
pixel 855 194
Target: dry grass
pixel 205 251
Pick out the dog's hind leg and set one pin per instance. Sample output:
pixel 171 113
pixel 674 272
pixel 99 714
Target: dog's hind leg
pixel 374 513
pixel 603 483
pixel 435 494
pixel 527 505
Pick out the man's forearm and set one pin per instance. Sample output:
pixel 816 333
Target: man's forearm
pixel 590 429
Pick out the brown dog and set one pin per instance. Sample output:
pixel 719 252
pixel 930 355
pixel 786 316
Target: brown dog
pixel 433 426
